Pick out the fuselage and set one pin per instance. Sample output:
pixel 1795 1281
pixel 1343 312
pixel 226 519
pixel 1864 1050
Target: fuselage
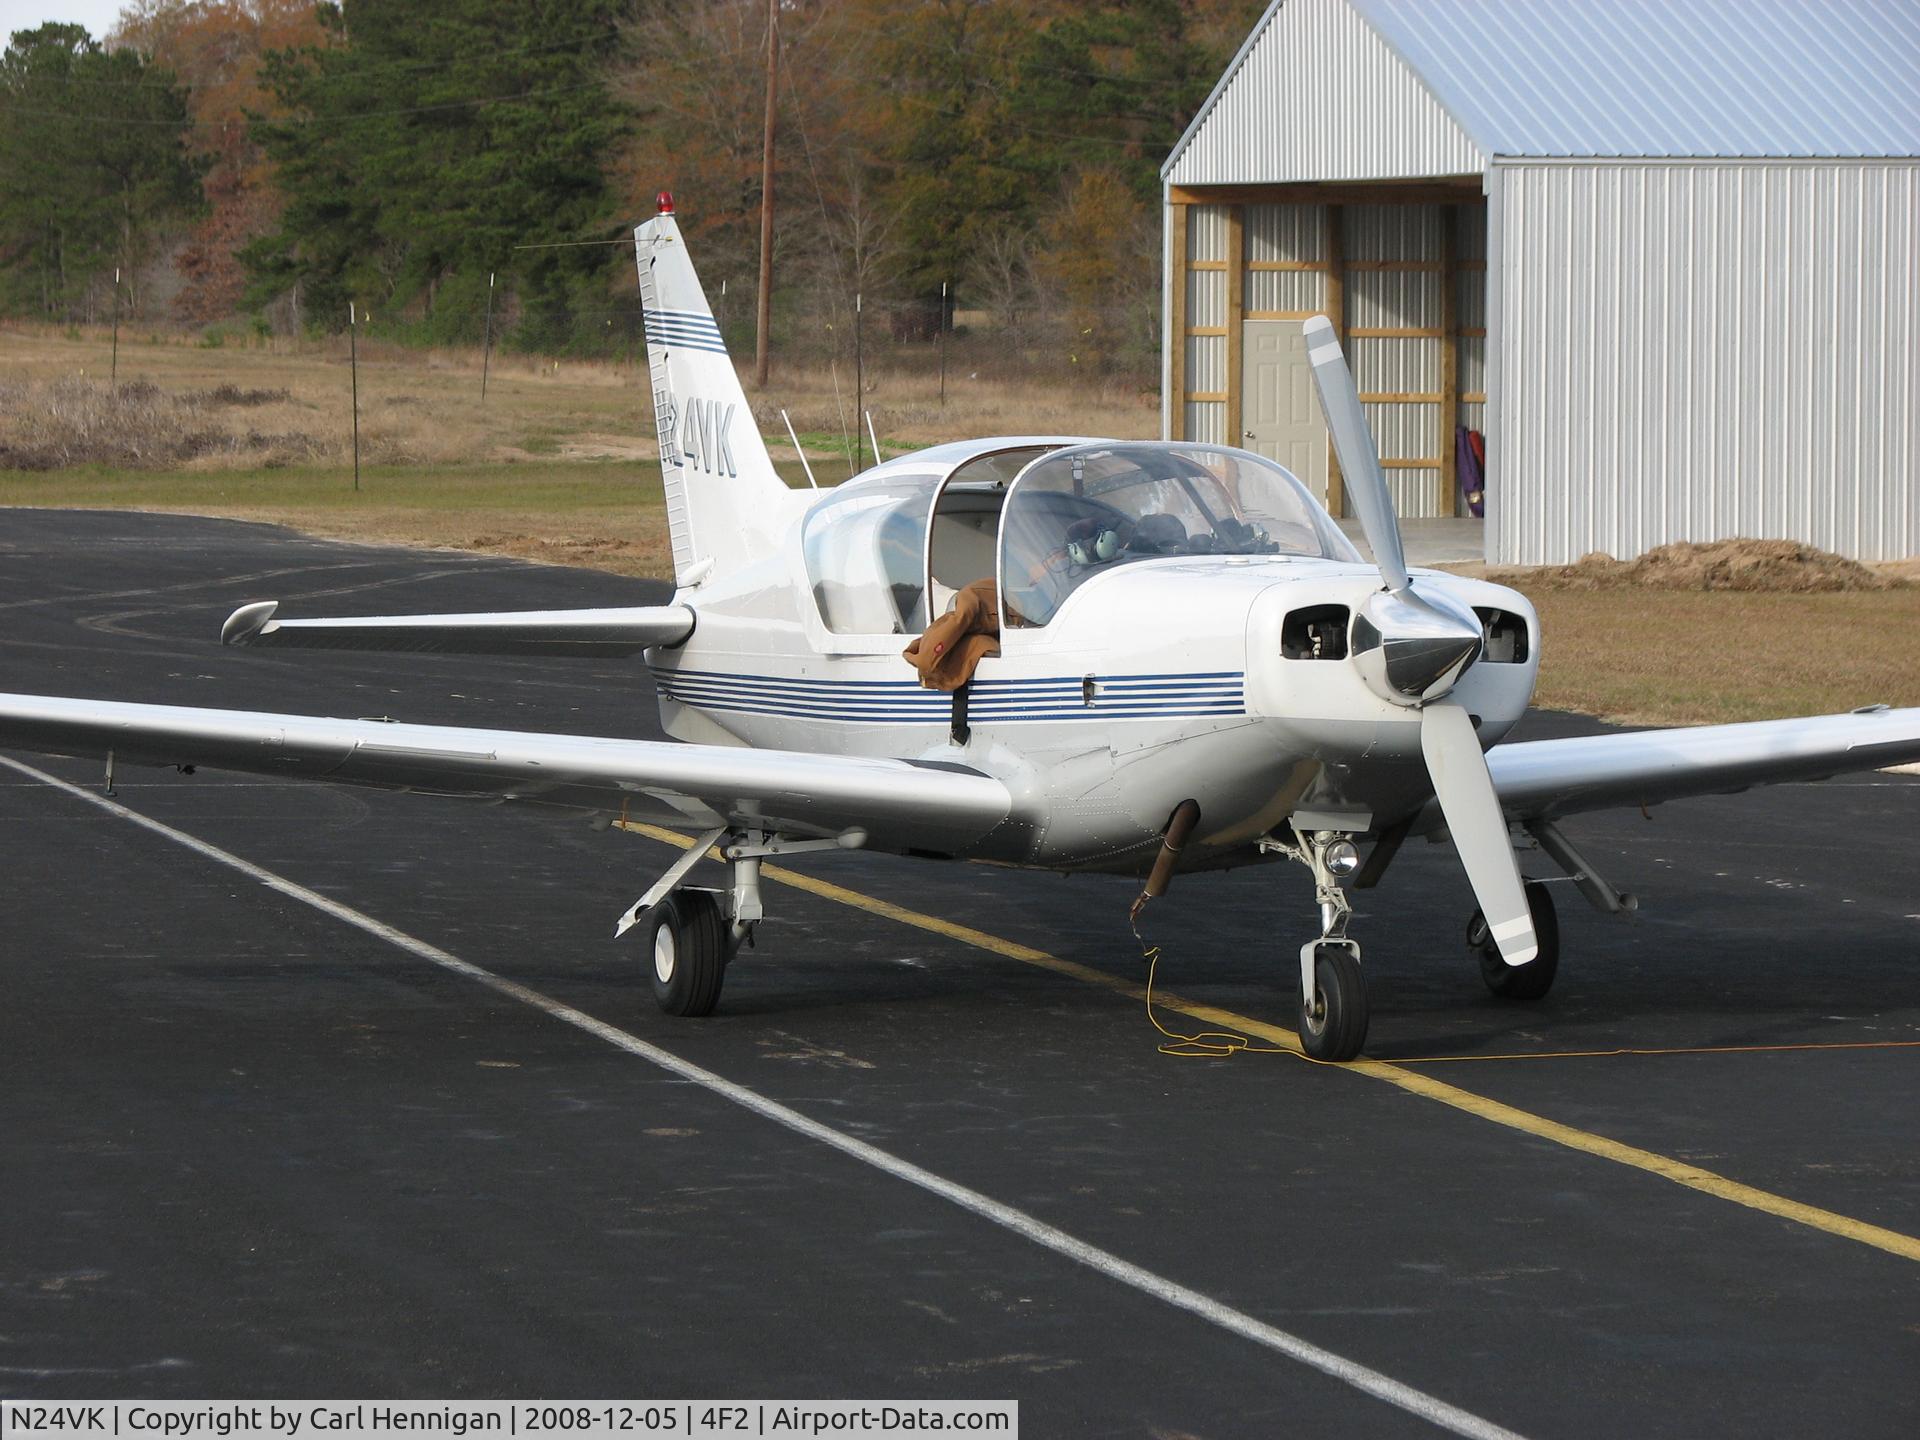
pixel 1163 679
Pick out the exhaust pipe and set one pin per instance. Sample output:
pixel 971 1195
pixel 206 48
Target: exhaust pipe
pixel 1180 825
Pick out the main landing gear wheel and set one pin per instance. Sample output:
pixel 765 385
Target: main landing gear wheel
pixel 1334 1026
pixel 1533 979
pixel 689 951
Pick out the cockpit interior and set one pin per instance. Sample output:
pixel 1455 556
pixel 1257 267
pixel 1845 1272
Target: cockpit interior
pixel 1043 518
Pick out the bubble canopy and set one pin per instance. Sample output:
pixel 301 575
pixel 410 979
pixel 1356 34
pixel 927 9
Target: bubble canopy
pixel 1081 512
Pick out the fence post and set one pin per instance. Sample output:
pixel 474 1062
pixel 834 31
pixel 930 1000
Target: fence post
pixel 353 363
pixel 486 345
pixel 944 327
pixel 859 391
pixel 113 374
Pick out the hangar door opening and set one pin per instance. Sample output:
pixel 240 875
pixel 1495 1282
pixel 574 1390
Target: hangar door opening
pixel 1403 282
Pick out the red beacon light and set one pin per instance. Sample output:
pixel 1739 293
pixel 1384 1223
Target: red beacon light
pixel 664 200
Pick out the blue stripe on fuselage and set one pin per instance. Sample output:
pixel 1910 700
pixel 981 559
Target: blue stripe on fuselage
pixel 1128 697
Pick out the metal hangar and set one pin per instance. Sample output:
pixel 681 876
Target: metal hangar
pixel 1663 254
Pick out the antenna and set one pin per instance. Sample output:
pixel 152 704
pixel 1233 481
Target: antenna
pixel 874 438
pixel 798 451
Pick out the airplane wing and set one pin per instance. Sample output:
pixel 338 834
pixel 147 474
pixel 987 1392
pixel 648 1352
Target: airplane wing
pixel 591 633
pixel 1543 779
pixel 900 804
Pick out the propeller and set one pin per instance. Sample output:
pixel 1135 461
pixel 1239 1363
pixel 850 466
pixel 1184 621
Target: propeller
pixel 1411 649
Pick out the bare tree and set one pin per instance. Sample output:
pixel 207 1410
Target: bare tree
pixel 1001 277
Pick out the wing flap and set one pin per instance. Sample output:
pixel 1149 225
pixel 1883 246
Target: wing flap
pixel 901 804
pixel 593 633
pixel 1541 779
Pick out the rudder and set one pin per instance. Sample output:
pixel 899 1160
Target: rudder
pixel 726 505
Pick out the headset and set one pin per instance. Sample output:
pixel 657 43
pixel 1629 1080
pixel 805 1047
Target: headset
pixel 1092 542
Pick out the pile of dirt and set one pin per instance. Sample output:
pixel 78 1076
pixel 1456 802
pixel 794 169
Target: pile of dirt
pixel 1778 566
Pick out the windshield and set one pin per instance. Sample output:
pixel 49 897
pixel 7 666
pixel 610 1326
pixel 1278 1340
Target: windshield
pixel 1083 511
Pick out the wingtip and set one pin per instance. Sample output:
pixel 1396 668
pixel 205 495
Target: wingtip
pixel 245 625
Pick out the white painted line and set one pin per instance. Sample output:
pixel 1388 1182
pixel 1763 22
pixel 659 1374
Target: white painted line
pixel 1049 1237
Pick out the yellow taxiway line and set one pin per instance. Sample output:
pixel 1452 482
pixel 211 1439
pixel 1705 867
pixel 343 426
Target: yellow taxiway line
pixel 1585 1141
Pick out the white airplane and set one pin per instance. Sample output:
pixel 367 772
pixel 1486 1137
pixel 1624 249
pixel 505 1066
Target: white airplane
pixel 1194 667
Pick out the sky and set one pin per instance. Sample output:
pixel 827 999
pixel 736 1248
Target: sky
pixel 97 15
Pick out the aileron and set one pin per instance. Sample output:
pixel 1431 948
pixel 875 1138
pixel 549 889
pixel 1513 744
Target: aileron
pixel 1548 778
pixel 902 804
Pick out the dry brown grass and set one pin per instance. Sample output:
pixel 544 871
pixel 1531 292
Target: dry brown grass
pixel 415 408
pixel 906 406
pixel 424 407
pixel 1658 656
pixel 1730 630
pixel 63 423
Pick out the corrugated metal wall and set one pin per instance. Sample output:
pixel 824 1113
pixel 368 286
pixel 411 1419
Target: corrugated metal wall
pixel 1693 350
pixel 1318 95
pixel 1402 364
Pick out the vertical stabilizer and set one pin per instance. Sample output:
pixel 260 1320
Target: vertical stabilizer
pixel 726 505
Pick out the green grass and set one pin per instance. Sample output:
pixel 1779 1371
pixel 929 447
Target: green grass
pixel 843 447
pixel 606 513
pixel 560 485
pixel 472 488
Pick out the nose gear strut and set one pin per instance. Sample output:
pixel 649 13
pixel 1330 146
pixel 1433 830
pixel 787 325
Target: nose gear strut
pixel 1333 993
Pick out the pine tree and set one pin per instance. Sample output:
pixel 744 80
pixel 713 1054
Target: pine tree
pixel 93 145
pixel 423 140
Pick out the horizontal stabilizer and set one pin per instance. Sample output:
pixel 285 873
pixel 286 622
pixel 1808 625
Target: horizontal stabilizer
pixel 590 633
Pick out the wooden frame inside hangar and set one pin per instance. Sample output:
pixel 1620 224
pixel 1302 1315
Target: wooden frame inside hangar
pixel 1400 269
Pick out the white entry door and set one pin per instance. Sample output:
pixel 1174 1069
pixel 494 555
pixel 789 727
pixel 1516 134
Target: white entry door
pixel 1278 408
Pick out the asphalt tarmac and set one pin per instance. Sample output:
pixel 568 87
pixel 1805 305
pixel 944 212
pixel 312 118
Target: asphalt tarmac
pixel 251 1148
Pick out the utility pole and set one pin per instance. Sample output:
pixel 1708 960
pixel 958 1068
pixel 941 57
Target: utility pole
pixel 762 352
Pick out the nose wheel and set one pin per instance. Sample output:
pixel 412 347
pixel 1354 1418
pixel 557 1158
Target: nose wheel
pixel 1333 1013
pixel 1333 992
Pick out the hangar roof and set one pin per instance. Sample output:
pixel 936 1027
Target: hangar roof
pixel 1650 78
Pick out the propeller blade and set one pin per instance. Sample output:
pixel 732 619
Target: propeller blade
pixel 1467 798
pixel 1353 443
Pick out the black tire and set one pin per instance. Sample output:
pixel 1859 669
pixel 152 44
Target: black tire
pixel 1335 1027
pixel 1534 979
pixel 687 952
